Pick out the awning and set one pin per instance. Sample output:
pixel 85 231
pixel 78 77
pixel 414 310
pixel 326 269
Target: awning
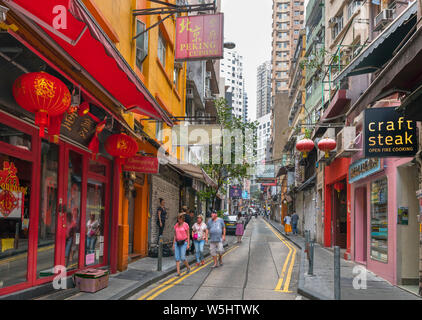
pixel 91 48
pixel 308 183
pixel 380 50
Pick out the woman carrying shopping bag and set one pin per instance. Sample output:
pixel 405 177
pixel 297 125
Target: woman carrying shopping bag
pixel 199 236
pixel 240 227
pixel 181 242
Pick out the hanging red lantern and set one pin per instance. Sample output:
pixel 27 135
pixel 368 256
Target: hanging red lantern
pixel 121 146
pixel 42 94
pixel 305 146
pixel 326 145
pixel 339 186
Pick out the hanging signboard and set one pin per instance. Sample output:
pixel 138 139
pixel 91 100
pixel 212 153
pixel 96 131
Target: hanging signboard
pixel 141 164
pixel 235 192
pixel 389 134
pixel 199 37
pixel 364 168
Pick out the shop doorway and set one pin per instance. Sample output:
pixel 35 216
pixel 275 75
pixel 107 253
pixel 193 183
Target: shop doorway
pixel 361 222
pixel 339 216
pixel 131 221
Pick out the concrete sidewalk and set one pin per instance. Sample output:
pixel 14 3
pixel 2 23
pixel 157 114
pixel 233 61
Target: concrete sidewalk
pixel 139 275
pixel 321 285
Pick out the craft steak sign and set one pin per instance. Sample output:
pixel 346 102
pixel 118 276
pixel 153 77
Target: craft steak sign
pixel 199 37
pixel 389 134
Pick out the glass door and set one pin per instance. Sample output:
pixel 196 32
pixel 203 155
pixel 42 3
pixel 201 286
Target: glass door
pixel 72 215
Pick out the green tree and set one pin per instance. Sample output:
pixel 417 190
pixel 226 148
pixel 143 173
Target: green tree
pixel 223 173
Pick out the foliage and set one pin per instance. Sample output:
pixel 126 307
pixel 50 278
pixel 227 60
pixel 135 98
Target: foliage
pixel 230 173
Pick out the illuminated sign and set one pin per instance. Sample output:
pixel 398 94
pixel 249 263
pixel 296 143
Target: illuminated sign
pixel 389 134
pixel 199 37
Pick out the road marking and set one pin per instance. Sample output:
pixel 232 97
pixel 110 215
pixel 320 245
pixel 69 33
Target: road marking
pixel 291 256
pixel 152 294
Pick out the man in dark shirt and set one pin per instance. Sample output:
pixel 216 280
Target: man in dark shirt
pixel 295 219
pixel 161 218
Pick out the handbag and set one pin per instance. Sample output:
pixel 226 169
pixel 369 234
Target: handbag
pixel 180 242
pixel 195 236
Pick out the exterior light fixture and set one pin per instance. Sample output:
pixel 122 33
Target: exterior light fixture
pixel 3 12
pixel 229 45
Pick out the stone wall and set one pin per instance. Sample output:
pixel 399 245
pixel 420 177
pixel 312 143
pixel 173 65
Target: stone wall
pixel 166 186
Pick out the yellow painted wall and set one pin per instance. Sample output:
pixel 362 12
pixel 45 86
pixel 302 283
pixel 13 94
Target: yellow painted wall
pixel 117 15
pixel 157 79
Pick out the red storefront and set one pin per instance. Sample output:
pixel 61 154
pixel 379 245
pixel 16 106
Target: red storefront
pixel 337 205
pixel 53 191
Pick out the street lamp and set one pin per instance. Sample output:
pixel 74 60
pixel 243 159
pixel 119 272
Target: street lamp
pixel 3 11
pixel 229 45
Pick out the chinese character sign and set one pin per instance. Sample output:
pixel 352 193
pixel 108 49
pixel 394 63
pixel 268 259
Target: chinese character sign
pixel 199 37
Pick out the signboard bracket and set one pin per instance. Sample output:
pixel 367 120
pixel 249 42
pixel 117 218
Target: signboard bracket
pixel 173 9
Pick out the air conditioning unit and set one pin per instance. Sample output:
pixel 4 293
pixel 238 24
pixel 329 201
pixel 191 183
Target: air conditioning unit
pixel 208 75
pixel 189 93
pixel 345 142
pixel 383 18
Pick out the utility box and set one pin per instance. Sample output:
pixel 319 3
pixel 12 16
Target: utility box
pixel 91 280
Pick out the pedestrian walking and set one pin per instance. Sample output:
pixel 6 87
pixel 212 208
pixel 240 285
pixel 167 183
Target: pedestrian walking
pixel 240 227
pixel 287 224
pixel 217 232
pixel 191 223
pixel 295 219
pixel 199 236
pixel 188 220
pixel 161 218
pixel 181 242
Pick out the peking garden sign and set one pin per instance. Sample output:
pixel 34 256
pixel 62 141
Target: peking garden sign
pixel 199 37
pixel 389 134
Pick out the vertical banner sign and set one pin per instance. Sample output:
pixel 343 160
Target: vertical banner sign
pixel 199 37
pixel 389 134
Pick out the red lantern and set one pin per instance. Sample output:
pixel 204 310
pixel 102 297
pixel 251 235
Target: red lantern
pixel 121 146
pixel 326 145
pixel 43 94
pixel 339 186
pixel 305 146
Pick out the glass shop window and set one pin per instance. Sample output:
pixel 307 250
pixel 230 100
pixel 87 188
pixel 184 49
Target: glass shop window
pixel 379 220
pixel 15 194
pixel 14 137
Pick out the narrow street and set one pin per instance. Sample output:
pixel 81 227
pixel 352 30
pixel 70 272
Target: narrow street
pixel 263 267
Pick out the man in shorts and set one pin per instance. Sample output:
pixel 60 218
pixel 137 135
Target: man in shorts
pixel 217 234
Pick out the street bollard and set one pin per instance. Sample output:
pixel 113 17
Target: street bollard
pixel 307 237
pixel 337 284
pixel 311 258
pixel 160 253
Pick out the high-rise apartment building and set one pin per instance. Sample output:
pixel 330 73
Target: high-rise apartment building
pixel 288 20
pixel 232 71
pixel 263 89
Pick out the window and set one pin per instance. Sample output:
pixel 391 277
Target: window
pixel 379 220
pixel 338 26
pixel 161 49
pixel 141 44
pixel 297 13
pixel 176 78
pixel 159 131
pixel 352 7
pixel 296 22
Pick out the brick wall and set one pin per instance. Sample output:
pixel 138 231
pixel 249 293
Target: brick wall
pixel 166 186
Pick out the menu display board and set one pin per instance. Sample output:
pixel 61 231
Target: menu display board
pixel 379 220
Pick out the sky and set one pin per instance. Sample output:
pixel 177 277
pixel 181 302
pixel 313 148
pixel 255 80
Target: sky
pixel 248 23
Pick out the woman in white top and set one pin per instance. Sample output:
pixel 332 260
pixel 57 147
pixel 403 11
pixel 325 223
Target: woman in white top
pixel 199 236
